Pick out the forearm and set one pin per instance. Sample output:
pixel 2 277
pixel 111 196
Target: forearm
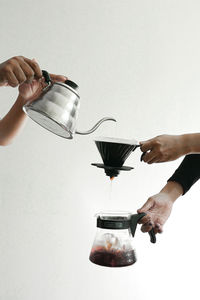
pixel 11 124
pixel 190 143
pixel 173 189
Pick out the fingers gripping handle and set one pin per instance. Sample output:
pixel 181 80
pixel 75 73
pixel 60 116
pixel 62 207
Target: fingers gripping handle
pixel 133 224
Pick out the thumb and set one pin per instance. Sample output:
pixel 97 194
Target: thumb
pixel 146 206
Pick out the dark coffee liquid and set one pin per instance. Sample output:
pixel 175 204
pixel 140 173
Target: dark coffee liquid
pixel 112 258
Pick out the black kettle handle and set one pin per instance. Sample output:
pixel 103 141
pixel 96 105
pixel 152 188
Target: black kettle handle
pixel 133 225
pixel 48 80
pixel 46 76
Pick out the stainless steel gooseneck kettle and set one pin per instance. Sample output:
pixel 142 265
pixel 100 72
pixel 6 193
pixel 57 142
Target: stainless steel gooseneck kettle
pixel 57 107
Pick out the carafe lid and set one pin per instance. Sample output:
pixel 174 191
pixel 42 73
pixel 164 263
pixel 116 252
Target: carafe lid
pixel 122 220
pixel 113 220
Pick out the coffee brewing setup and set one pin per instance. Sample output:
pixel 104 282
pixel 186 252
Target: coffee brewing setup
pixel 56 109
pixel 112 245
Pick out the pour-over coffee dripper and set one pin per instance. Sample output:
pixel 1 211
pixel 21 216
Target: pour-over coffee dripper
pixel 114 153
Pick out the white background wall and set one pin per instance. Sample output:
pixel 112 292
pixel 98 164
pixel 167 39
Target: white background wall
pixel 138 61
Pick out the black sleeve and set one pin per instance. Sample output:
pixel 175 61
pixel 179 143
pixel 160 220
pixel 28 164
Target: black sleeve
pixel 188 172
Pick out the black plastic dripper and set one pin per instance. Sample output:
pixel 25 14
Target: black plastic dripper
pixel 114 153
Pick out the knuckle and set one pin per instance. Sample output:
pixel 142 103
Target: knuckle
pixel 11 62
pixel 30 73
pixel 147 218
pixel 142 148
pixel 157 142
pixel 34 63
pixel 19 57
pixel 150 199
pixel 7 68
pixel 13 59
pixel 22 79
pixel 159 136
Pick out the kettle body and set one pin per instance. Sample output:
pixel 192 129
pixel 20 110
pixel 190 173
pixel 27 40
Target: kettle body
pixel 57 108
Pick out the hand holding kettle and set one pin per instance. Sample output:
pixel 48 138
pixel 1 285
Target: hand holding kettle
pixel 26 73
pixel 18 70
pixel 29 92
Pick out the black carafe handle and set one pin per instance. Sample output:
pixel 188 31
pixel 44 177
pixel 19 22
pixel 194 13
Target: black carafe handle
pixel 133 225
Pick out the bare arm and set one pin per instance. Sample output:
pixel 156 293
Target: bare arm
pixel 11 124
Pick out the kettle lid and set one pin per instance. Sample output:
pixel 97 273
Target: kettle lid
pixel 72 84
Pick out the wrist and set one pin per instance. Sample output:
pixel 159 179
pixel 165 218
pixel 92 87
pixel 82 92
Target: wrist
pixel 20 100
pixel 18 106
pixel 185 145
pixel 173 189
pixel 192 142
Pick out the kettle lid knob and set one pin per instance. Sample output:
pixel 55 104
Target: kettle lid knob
pixel 72 84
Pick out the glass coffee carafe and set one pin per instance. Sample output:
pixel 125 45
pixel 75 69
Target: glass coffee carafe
pixel 112 246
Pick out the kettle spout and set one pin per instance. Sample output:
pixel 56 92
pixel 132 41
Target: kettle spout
pixel 96 126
